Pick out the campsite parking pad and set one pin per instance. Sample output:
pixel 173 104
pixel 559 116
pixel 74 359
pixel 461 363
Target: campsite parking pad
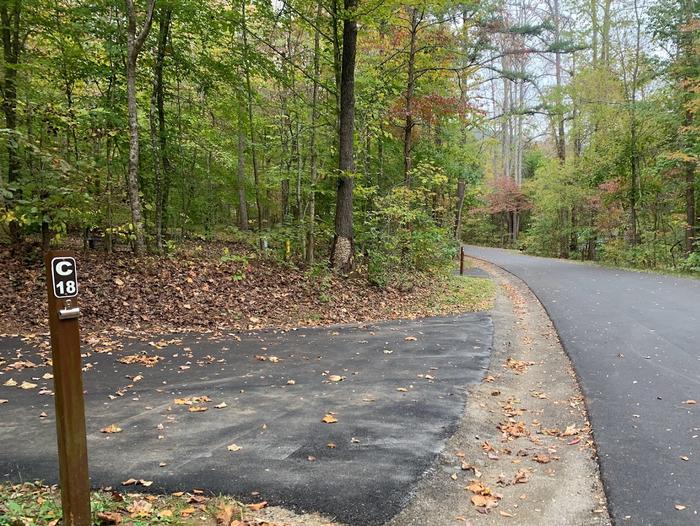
pixel 397 390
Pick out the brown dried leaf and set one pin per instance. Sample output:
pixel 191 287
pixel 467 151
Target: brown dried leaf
pixel 113 428
pixel 109 517
pixel 224 515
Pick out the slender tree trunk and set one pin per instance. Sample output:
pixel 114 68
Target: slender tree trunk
pixel 409 123
pixel 251 125
pixel 313 149
pixel 10 16
pixel 594 31
pixel 633 235
pixel 605 34
pixel 135 43
pixel 157 124
pixel 242 204
pixel 691 239
pixel 688 49
pixel 342 252
pixel 461 187
pixel 561 132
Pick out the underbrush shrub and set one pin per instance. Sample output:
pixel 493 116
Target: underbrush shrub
pixel 401 237
pixel 691 263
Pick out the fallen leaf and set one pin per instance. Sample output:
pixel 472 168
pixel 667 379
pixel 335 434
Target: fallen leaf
pixel 329 419
pixel 542 458
pixel 118 282
pixel 336 378
pixel 109 517
pixel 519 366
pixel 27 385
pixel 220 406
pixel 690 402
pixel 197 409
pixel 479 488
pixel 522 476
pixel 484 501
pixel 402 389
pixel 129 482
pixel 3 401
pixel 680 507
pixel 143 359
pixel 514 429
pixel 224 515
pixel 258 506
pixel 506 514
pixel 113 428
pixel 234 447
pixel 570 431
pixel 410 338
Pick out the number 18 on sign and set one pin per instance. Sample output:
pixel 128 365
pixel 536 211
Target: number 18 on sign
pixel 62 290
pixel 65 277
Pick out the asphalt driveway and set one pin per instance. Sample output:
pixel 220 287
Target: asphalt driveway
pixel 396 389
pixel 634 339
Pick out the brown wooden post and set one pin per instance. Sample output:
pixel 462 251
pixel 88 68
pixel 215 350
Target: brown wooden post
pixel 461 261
pixel 62 289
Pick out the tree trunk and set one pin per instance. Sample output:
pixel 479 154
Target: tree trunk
pixel 409 123
pixel 342 251
pixel 605 34
pixel 240 176
pixel 560 134
pixel 135 44
pixel 313 150
pixel 688 48
pixel 157 123
pixel 284 191
pixel 690 214
pixel 251 126
pixel 461 187
pixel 10 15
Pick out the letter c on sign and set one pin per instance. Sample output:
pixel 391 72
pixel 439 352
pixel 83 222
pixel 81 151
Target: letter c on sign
pixel 60 268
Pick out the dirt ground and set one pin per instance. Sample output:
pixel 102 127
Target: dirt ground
pixel 524 449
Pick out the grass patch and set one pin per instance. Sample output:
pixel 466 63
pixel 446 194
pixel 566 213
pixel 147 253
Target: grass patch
pixel 36 504
pixel 462 294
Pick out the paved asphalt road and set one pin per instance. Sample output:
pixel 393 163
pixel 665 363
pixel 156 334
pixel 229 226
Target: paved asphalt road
pixel 634 339
pixel 398 401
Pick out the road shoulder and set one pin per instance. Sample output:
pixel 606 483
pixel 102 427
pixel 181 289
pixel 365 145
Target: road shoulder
pixel 523 450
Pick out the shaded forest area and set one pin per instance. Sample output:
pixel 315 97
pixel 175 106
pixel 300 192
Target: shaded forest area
pixel 370 135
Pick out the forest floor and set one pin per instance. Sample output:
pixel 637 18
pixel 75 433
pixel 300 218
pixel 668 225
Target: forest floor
pixel 217 287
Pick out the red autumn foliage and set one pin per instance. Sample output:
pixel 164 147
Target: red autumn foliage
pixel 505 196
